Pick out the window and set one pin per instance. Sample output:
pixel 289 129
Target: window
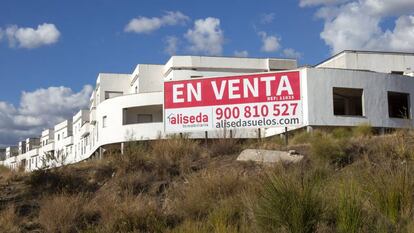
pixel 103 121
pixel 58 137
pixel 136 89
pixel 144 118
pixel 347 101
pixel 398 105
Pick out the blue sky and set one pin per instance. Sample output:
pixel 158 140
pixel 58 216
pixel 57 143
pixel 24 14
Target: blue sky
pixel 93 40
pixel 53 50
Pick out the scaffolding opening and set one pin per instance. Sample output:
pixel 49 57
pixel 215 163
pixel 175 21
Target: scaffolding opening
pixel 141 115
pixel 398 105
pixel 347 101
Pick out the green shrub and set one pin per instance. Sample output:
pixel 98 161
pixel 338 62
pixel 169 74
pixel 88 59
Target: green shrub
pixel 362 130
pixel 225 217
pixel 341 133
pixel 350 216
pixel 301 138
pixel 289 201
pixel 390 191
pixel 330 150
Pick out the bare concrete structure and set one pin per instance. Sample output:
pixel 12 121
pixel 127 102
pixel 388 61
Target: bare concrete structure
pixel 350 88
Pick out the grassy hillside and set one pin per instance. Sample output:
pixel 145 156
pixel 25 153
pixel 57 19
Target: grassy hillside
pixel 349 181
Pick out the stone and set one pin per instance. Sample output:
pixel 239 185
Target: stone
pixel 269 156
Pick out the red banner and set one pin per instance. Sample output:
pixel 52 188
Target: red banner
pixel 254 88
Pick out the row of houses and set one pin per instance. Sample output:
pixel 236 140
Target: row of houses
pixel 348 89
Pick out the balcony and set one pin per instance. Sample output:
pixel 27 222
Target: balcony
pixel 84 131
pixel 32 153
pixel 68 141
pixel 48 147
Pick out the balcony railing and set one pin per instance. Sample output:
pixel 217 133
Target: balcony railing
pixel 68 141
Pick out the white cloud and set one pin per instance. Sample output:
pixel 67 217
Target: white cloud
pixel 357 25
pixel 266 18
pixel 172 45
pixel 148 25
pixel 271 43
pixel 206 37
pixel 291 53
pixel 242 53
pixel 29 38
pixel 38 110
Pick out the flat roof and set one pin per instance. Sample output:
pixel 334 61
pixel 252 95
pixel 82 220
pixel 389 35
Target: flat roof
pixel 364 51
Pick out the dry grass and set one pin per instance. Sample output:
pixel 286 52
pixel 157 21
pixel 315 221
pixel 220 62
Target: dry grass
pixel 9 221
pixel 349 181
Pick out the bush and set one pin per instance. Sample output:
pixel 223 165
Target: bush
pixel 65 213
pixel 224 146
pixel 289 201
pixel 59 180
pixel 128 213
pixel 226 217
pixel 196 198
pixel 134 158
pixel 174 156
pixel 329 150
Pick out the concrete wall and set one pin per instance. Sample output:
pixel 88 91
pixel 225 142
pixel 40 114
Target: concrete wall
pixel 319 97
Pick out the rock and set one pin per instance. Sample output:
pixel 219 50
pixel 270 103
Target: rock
pixel 269 156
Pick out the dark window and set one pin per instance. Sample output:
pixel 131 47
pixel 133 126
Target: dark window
pixel 347 101
pixel 397 72
pixel 104 121
pixel 144 118
pixel 398 105
pixel 112 94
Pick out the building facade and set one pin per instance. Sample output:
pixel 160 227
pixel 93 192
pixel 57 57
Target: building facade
pixel 351 88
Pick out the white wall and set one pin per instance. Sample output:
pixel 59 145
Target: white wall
pixel 112 82
pixel 378 62
pixel 150 78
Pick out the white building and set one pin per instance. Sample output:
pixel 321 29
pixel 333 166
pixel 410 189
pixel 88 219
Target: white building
pixel 351 88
